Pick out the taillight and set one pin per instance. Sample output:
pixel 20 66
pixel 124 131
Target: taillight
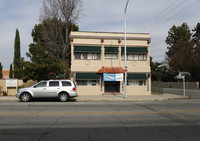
pixel 74 89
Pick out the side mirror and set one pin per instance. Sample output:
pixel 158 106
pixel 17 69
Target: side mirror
pixel 34 86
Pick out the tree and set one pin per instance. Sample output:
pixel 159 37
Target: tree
pixel 17 56
pixel 11 72
pixel 49 35
pixel 174 35
pixel 1 69
pixel 180 55
pixel 43 66
pixel 158 71
pixel 65 12
pixel 196 39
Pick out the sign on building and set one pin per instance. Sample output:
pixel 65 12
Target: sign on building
pixel 113 76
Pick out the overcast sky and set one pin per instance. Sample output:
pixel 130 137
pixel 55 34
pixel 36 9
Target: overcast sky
pixel 143 16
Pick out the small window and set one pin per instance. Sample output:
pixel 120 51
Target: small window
pixel 53 83
pixel 130 57
pixel 82 82
pixel 124 57
pixel 135 57
pixel 42 84
pixel 90 56
pixel 66 83
pixel 111 55
pixel 97 56
pixel 77 55
pixel 143 57
pixel 85 56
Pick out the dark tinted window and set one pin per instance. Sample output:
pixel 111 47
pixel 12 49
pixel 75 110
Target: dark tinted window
pixel 41 84
pixel 65 83
pixel 53 83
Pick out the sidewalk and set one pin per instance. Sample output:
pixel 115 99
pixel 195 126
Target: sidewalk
pixel 112 98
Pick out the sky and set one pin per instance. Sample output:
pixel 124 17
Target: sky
pixel 143 16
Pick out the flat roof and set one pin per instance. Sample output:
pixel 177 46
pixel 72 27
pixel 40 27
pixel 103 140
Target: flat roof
pixel 109 35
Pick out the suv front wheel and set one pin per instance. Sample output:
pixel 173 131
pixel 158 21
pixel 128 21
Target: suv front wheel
pixel 63 97
pixel 25 97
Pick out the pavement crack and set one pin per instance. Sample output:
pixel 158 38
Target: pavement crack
pixel 168 131
pixel 44 134
pixel 170 116
pixel 88 134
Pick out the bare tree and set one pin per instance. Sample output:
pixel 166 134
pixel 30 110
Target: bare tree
pixel 62 11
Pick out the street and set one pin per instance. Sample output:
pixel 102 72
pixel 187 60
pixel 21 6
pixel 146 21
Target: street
pixel 174 120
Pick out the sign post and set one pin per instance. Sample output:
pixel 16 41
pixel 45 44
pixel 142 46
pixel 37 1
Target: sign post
pixel 182 75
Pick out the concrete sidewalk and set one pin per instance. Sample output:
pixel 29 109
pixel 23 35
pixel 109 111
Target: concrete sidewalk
pixel 93 98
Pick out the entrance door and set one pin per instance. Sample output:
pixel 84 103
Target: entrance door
pixel 112 86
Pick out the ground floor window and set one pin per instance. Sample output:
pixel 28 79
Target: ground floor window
pixel 136 83
pixel 87 82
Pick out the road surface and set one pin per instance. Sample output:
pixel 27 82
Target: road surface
pixel 175 120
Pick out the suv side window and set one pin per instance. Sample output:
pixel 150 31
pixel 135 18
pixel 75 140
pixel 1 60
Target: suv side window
pixel 53 83
pixel 66 83
pixel 41 84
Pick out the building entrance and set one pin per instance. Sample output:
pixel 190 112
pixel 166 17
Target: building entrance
pixel 112 86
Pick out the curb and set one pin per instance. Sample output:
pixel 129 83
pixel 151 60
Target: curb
pixel 114 99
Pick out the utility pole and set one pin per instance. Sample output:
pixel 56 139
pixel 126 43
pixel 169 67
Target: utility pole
pixel 125 67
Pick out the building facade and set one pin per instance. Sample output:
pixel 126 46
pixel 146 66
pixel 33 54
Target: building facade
pixel 97 63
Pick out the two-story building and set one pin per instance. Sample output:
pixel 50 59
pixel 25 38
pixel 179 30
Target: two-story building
pixel 97 63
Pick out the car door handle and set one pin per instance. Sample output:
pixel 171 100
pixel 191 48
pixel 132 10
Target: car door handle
pixel 44 88
pixel 58 88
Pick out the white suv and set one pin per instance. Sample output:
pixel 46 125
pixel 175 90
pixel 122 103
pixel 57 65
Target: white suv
pixel 62 89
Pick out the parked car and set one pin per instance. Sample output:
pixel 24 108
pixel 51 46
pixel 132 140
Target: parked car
pixel 61 89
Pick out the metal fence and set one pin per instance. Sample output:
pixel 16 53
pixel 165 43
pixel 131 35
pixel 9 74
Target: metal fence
pixel 157 87
pixel 179 85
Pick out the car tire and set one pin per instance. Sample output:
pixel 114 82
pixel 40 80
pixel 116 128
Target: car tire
pixel 63 97
pixel 25 97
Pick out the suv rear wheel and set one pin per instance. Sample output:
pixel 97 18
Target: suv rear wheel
pixel 63 97
pixel 25 97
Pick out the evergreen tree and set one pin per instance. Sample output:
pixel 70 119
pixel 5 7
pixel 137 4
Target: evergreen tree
pixel 17 55
pixel 180 55
pixel 1 73
pixel 11 72
pixel 196 39
pixel 43 65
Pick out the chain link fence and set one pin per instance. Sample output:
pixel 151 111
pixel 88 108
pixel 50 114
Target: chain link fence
pixel 157 87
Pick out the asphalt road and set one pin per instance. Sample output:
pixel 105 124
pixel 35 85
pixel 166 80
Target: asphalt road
pixel 175 120
pixel 189 92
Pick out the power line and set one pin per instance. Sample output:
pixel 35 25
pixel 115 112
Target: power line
pixel 157 17
pixel 173 15
pixel 167 14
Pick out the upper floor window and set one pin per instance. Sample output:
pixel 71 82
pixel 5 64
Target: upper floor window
pixel 111 52
pixel 87 52
pixel 111 55
pixel 135 57
pixel 77 55
pixel 87 56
